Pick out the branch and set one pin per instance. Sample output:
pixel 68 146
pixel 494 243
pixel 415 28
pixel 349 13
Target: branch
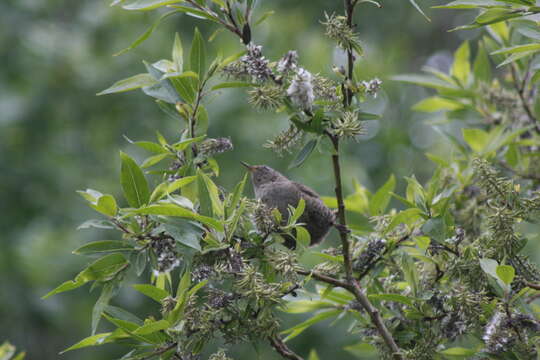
pixel 524 101
pixel 533 286
pixel 282 348
pixel 326 279
pixel 160 351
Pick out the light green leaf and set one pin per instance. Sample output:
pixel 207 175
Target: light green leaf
pixel 304 154
pixel 303 238
pixel 168 209
pixel 197 55
pixel 482 66
pixel 94 340
pixel 380 200
pixel 461 67
pixel 298 329
pixel 104 246
pixel 495 15
pixel 458 351
pixel 213 192
pixel 305 306
pixel 178 53
pixel 506 273
pixel 393 297
pixel 145 5
pixel 131 83
pixel 477 139
pixel 133 182
pixel 152 327
pixel 231 84
pixel 437 103
pixel 152 292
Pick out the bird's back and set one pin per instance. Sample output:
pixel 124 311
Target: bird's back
pixel 317 217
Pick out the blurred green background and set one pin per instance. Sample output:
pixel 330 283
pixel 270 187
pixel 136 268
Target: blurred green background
pixel 57 137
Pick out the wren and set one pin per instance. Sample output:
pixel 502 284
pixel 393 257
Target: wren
pixel 276 191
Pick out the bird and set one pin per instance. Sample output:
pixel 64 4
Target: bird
pixel 276 191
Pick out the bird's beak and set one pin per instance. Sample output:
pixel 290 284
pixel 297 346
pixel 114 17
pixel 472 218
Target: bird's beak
pixel 249 167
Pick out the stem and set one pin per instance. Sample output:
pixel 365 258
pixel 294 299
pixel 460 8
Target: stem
pixel 326 279
pixel 352 284
pixel 521 92
pixel 160 351
pixel 278 344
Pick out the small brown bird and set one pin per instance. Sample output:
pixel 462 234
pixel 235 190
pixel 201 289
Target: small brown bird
pixel 276 191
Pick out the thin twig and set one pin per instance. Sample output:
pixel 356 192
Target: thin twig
pixel 324 278
pixel 524 101
pixel 282 348
pixel 353 284
pixel 160 351
pixel 533 286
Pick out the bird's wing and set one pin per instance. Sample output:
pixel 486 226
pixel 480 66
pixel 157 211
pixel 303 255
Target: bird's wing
pixel 306 190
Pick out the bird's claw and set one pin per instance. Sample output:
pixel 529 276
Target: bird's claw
pixel 342 228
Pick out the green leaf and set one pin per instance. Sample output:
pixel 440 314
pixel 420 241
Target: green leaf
pixel 102 269
pixel 458 351
pixel 105 204
pixel 489 266
pixel 468 4
pixel 303 155
pixel 305 306
pixel 94 340
pixel 298 329
pixel 197 55
pixel 303 238
pixel 437 103
pixel 152 327
pixel 393 297
pixel 184 232
pixel 104 246
pixel 477 139
pixel 518 49
pixel 213 191
pixel 133 182
pixel 166 188
pixel 495 15
pixel 153 160
pixel 461 67
pixel 380 200
pixel 131 83
pixel 145 5
pixel 178 53
pixel 506 273
pixel 108 291
pixel 482 66
pixel 168 209
pixel 152 292
pixel 298 211
pixel 231 84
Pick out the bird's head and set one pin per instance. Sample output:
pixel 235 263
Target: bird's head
pixel 262 174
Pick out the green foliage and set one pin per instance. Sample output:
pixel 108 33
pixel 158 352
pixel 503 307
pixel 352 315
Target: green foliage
pixel 414 282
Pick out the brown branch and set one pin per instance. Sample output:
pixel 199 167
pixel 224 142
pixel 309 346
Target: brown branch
pixel 160 351
pixel 282 348
pixel 352 284
pixel 524 101
pixel 533 286
pixel 326 279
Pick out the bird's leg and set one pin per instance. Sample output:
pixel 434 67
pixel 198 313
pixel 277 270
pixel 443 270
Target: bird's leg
pixel 342 228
